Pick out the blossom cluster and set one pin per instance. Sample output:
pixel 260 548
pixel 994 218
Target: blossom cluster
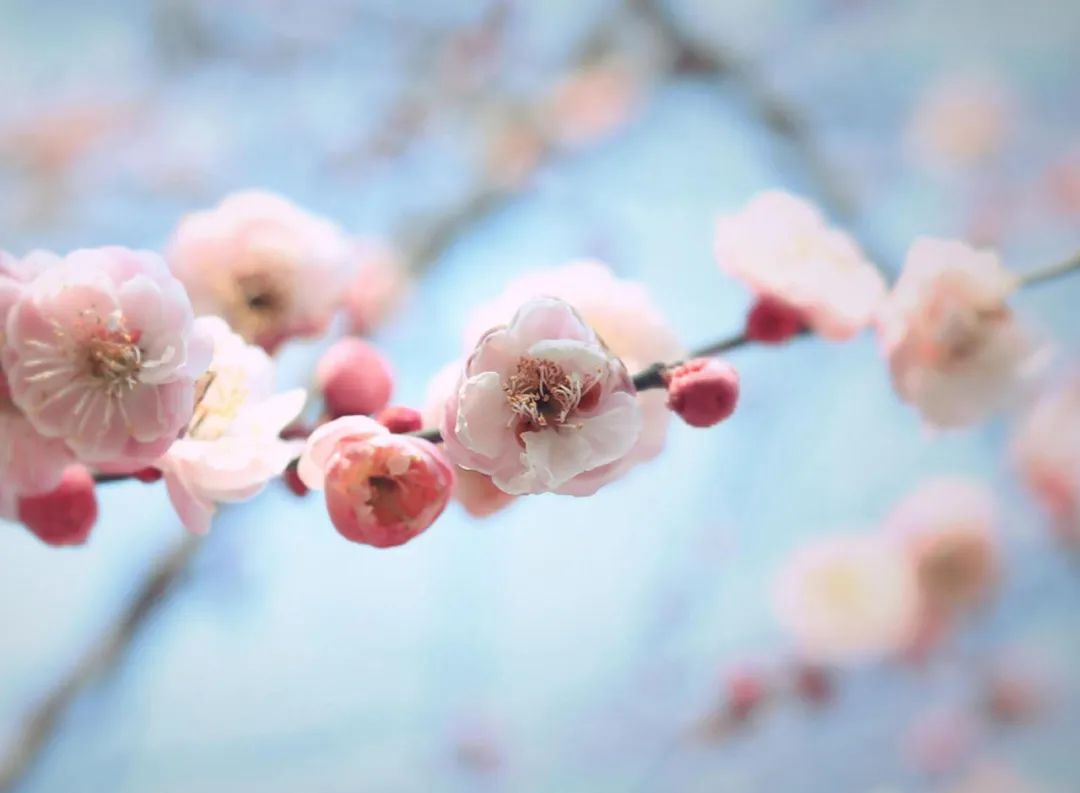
pixel 123 363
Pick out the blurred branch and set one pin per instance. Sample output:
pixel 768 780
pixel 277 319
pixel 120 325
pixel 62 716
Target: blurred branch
pixel 162 582
pixel 1064 267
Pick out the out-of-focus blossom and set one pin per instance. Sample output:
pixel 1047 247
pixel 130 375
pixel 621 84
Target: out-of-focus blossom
pixel 270 269
pixel 381 489
pixel 946 525
pixel 1063 183
pixel 848 599
pixel 992 777
pixel 961 121
pixel 745 691
pixel 377 286
pixel 232 445
pixel 354 377
pixel 30 463
pixel 813 683
pixel 543 405
pixel 621 313
pixel 514 149
pixel 782 247
pixel 1046 450
pixel 773 321
pixel 64 515
pixel 102 351
pixel 52 139
pixel 592 103
pixel 703 392
pixel 955 349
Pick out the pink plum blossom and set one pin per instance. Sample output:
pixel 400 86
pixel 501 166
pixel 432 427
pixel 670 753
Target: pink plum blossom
pixel 66 513
pixel 848 599
pixel 354 377
pixel 30 463
pixel 622 314
pixel 703 392
pixel 377 286
pixel 593 102
pixel 947 528
pixel 960 121
pixel 955 349
pixel 543 405
pixel 1046 451
pixel 102 351
pixel 269 268
pixel 782 247
pixel 381 489
pixel 232 444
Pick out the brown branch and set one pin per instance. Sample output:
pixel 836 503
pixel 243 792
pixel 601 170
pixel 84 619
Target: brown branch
pixel 164 580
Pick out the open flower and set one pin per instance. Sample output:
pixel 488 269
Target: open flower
pixel 381 489
pixel 102 351
pixel 1046 450
pixel 270 269
pixel 955 350
pixel 232 444
pixel 946 526
pixel 781 246
pixel 543 405
pixel 620 312
pixel 848 599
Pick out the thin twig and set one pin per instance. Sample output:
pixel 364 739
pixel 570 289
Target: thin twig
pixel 163 581
pixel 1054 271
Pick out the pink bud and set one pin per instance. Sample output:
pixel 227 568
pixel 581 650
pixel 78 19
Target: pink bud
pixel 66 515
pixel 813 684
pixel 400 419
pixel 772 320
pixel 745 692
pixel 148 475
pixel 384 490
pixel 355 378
pixel 703 391
pixel 292 480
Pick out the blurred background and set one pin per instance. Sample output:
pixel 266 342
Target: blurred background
pixel 561 645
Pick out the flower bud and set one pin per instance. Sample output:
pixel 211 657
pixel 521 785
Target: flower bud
pixel 65 515
pixel 703 391
pixel 773 321
pixel 400 419
pixel 355 378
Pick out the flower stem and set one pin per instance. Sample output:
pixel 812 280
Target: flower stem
pixel 1053 271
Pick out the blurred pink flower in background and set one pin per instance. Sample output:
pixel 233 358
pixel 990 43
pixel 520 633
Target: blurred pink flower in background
pixel 960 121
pixel 543 405
pixel 1046 450
pixel 781 247
pixel 592 102
pixel 947 527
pixel 381 489
pixel 270 269
pixel 989 776
pixel 955 349
pixel 847 600
pixel 941 740
pixel 102 351
pixel 377 286
pixel 232 444
pixel 1063 182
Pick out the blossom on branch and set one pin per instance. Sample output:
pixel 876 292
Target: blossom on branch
pixel 66 513
pixel 381 489
pixel 955 349
pixel 270 269
pixel 101 351
pixel 782 247
pixel 232 445
pixel 543 405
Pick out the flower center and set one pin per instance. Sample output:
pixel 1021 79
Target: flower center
pixel 113 357
pixel 219 396
pixel 541 394
pixel 261 301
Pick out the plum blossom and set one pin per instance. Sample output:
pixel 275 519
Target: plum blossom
pixel 354 377
pixel 543 405
pixel 66 513
pixel 269 268
pixel 946 526
pixel 30 463
pixel 377 286
pixel 848 599
pixel 381 489
pixel 960 121
pixel 621 313
pixel 593 103
pixel 782 247
pixel 955 350
pixel 102 351
pixel 1046 451
pixel 232 445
